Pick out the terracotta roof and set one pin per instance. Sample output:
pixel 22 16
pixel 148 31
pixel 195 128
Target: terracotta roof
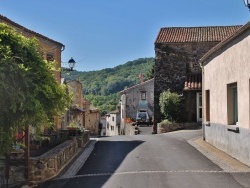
pixel 193 82
pixel 227 40
pixel 114 112
pixel 8 21
pixel 135 86
pixel 195 34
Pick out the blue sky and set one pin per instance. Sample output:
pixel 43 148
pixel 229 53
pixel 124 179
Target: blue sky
pixel 105 33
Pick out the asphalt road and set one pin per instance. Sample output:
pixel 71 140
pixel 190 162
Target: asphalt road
pixel 150 161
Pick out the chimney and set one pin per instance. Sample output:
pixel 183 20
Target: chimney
pixel 141 77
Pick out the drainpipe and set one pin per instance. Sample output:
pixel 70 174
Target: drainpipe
pixel 203 101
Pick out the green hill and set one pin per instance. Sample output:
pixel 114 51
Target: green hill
pixel 101 87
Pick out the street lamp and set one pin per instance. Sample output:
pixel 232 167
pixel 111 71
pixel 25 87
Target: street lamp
pixel 247 3
pixel 71 63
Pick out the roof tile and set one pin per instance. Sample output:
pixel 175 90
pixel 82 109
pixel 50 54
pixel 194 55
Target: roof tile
pixel 195 34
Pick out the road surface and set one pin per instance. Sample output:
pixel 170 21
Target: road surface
pixel 150 161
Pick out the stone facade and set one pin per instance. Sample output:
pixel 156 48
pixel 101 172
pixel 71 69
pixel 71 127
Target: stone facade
pixel 140 95
pixel 173 63
pixel 177 52
pixel 51 50
pixel 52 162
pixel 76 112
pixel 93 120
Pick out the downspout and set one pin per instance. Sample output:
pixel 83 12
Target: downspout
pixel 203 100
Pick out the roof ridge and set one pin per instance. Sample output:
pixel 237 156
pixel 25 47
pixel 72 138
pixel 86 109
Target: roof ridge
pixel 27 30
pixel 187 27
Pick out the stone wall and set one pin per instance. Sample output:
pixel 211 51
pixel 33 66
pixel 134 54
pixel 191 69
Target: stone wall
pixel 173 62
pixel 130 129
pixel 52 162
pixel 164 128
pixel 133 97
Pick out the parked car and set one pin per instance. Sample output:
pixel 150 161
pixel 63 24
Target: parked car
pixel 142 117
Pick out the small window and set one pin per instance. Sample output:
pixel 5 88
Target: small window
pixel 112 128
pixel 207 105
pixel 50 57
pixel 232 104
pixel 143 95
pixel 199 106
pixel 113 118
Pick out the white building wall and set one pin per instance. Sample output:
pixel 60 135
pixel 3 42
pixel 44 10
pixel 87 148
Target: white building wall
pixel 231 64
pixel 113 124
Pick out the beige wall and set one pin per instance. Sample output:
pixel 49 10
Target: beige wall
pixel 231 65
pixel 113 120
pixel 49 46
pixel 75 88
pixel 94 118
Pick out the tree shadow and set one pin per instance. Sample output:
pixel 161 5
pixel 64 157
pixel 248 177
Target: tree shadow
pixel 103 162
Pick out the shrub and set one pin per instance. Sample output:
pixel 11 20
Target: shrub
pixel 170 104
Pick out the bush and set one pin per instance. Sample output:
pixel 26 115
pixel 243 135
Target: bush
pixel 171 105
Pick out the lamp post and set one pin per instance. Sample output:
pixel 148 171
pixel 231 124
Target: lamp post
pixel 71 63
pixel 247 3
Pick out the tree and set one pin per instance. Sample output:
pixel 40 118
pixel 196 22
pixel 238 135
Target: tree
pixel 29 92
pixel 171 105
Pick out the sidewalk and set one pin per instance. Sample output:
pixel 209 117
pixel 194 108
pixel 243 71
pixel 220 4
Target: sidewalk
pixel 223 160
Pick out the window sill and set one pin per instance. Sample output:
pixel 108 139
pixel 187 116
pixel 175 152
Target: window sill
pixel 233 128
pixel 207 123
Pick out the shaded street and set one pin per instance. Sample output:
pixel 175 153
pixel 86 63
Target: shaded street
pixel 161 161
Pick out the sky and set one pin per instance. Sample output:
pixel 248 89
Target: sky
pixel 102 34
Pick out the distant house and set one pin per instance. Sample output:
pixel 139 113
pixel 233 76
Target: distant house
pixel 51 50
pixel 76 112
pixel 94 119
pixel 113 122
pixel 134 98
pixel 226 95
pixel 177 51
pixel 103 122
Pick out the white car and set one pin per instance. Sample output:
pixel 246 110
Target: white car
pixel 142 117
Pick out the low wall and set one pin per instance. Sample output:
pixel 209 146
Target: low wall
pixel 164 128
pixel 233 140
pixel 130 129
pixel 52 162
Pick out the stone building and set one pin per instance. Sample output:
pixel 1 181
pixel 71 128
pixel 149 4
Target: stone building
pixel 91 118
pixel 226 95
pixel 134 98
pixel 177 51
pixel 51 50
pixel 76 113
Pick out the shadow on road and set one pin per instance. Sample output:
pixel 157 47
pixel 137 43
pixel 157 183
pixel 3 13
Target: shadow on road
pixel 99 167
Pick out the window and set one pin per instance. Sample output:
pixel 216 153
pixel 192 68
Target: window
pixel 113 118
pixel 232 104
pixel 199 106
pixel 50 57
pixel 143 95
pixel 207 105
pixel 112 128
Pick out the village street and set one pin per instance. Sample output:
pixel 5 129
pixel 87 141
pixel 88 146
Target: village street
pixel 168 160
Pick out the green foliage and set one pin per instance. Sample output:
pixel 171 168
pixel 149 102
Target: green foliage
pixel 171 105
pixel 101 87
pixel 112 80
pixel 104 103
pixel 29 92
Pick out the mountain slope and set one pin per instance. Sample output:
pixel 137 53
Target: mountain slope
pixel 102 87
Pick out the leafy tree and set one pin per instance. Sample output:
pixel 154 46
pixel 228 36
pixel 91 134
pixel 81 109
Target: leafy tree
pixel 29 92
pixel 171 105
